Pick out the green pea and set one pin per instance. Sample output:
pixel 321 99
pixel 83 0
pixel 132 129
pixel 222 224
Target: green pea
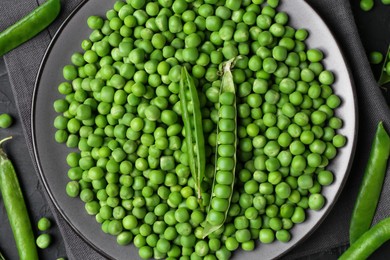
pixel 5 121
pixel 277 30
pixel 266 188
pixel 326 77
pixel 124 238
pixel 266 236
pixel 305 181
pixel 316 201
pixel 283 190
pixel 231 244
pixel 366 5
pixel 44 224
pixel 339 141
pixel 145 252
pixel 43 241
pixel 333 101
pixel 73 189
pixel 269 65
pixel 314 55
pixel 69 72
pixel 233 5
pixel 307 75
pixel 279 53
pixel 271 97
pixel 283 235
pixel 222 191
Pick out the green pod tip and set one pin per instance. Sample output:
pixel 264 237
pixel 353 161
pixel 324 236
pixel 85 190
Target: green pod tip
pixel 2 153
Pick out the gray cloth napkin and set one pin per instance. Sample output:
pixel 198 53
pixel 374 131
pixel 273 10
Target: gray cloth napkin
pixel 23 64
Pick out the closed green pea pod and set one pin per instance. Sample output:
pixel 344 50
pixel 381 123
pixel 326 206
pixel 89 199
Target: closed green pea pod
pixel 29 26
pixel 369 241
pixel 16 209
pixel 371 186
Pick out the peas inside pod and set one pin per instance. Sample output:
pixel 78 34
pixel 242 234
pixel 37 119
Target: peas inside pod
pixel 235 157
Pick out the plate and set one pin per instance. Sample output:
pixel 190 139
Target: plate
pixel 50 156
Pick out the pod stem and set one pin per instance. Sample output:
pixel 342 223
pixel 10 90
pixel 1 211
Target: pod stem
pixel 4 140
pixel 2 153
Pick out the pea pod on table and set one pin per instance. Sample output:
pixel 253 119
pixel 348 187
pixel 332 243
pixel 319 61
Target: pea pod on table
pixel 371 186
pixel 368 242
pixel 16 209
pixel 29 26
pixel 192 119
pixel 225 163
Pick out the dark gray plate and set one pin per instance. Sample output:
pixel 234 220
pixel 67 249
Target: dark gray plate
pixel 50 156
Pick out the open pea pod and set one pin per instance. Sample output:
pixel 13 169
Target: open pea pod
pixel 225 159
pixel 192 118
pixel 385 75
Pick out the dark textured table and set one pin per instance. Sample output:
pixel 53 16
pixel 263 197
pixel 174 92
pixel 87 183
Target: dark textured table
pixel 374 28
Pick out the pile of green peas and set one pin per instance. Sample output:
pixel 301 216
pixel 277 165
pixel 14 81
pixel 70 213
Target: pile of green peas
pixel 121 109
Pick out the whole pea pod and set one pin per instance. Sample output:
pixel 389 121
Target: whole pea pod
pixel 192 118
pixel 29 26
pixel 16 209
pixel 371 186
pixel 368 242
pixel 225 163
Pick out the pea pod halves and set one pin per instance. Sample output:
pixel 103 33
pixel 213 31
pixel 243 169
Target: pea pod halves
pixel 371 186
